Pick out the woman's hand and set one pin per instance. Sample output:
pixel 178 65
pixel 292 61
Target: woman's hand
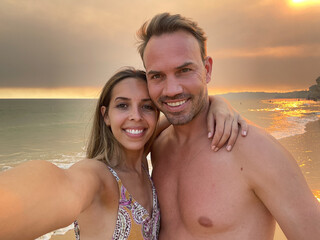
pixel 223 123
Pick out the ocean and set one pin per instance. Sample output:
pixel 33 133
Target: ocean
pixel 56 130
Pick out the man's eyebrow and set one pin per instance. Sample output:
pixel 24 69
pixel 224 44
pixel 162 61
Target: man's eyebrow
pixel 151 72
pixel 186 64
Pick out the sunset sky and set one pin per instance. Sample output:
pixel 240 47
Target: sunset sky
pixel 69 48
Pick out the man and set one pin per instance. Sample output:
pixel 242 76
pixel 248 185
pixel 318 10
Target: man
pixel 222 195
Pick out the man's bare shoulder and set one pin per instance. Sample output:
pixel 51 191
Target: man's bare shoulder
pixel 263 157
pixel 276 179
pixel 259 142
pixel 162 138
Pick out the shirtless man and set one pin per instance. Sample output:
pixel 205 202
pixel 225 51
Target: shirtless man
pixel 222 195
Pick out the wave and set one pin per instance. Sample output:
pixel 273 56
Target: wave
pixel 63 161
pixel 60 231
pixel 287 117
pixel 12 154
pixel 297 126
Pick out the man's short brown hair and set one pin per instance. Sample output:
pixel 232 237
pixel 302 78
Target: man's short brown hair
pixel 168 23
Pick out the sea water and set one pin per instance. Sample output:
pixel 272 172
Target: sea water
pixel 56 130
pixel 288 117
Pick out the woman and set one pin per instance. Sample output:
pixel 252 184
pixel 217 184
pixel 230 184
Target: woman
pixel 109 194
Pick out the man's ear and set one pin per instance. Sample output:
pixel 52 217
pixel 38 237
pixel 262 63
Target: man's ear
pixel 105 116
pixel 208 66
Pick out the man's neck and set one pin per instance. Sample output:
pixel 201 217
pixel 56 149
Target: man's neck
pixel 193 130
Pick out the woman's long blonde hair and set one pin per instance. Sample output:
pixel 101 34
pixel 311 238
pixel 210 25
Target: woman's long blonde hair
pixel 102 144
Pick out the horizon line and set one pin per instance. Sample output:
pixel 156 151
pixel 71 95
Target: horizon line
pixel 93 98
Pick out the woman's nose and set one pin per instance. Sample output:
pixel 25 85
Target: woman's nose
pixel 135 114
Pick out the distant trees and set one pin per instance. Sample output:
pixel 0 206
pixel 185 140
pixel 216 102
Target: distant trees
pixel 314 91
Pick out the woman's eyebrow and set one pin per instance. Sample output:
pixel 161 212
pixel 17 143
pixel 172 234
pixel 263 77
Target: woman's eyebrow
pixel 127 99
pixel 121 98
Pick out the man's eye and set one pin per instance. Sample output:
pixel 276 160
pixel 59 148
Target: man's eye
pixel 185 70
pixel 155 76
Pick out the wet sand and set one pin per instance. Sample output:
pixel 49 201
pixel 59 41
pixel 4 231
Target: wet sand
pixel 305 149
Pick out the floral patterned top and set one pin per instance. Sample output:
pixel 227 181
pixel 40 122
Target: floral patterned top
pixel 133 221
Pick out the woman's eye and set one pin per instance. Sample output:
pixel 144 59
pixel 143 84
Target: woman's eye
pixel 122 105
pixel 148 107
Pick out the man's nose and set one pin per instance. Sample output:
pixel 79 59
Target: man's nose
pixel 172 87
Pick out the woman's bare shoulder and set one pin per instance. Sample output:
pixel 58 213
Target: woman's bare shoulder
pixel 93 174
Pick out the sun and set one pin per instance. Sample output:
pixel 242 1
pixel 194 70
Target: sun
pixel 304 2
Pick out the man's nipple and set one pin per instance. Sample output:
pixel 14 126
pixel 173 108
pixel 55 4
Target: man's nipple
pixel 205 222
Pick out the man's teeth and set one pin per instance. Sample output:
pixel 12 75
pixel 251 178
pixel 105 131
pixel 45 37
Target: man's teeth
pixel 134 131
pixel 175 104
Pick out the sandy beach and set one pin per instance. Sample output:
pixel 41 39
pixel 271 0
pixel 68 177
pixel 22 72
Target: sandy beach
pixel 304 148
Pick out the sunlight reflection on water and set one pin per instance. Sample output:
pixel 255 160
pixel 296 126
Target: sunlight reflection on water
pixel 289 116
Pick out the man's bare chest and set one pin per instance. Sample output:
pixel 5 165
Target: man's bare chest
pixel 205 192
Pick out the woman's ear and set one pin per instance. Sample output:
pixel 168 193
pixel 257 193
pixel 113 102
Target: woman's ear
pixel 103 110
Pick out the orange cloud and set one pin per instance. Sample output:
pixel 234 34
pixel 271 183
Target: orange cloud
pixel 275 52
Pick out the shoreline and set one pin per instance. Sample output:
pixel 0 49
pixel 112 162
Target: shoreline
pixel 305 149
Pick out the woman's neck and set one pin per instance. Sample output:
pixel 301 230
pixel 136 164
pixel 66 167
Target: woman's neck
pixel 132 160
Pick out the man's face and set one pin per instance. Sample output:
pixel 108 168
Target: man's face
pixel 177 76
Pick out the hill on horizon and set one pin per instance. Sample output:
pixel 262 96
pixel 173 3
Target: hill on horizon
pixel 266 95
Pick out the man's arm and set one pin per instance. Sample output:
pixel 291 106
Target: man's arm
pixel 276 179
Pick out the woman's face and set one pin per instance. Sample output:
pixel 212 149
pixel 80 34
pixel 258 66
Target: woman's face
pixel 131 114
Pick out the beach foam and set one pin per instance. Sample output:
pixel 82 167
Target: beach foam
pixel 60 231
pixel 297 126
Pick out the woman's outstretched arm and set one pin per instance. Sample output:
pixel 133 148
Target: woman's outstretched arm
pixel 38 197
